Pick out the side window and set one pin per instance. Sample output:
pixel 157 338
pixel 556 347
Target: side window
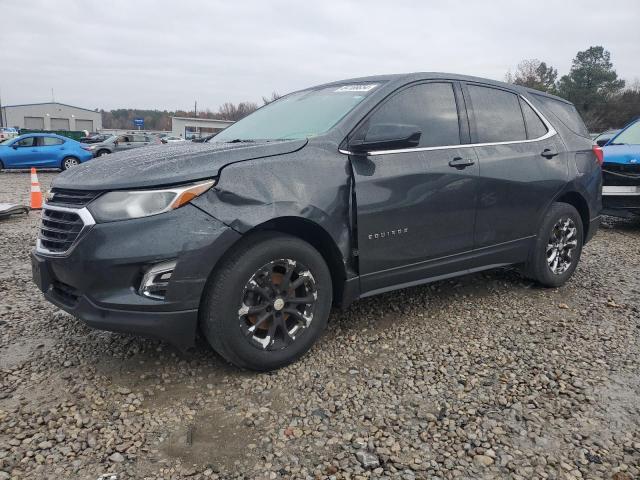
pixel 140 138
pixel 429 106
pixel 497 114
pixel 26 142
pixel 50 141
pixel 535 126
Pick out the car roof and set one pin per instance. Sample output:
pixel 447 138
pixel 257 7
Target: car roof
pixel 402 78
pixel 54 135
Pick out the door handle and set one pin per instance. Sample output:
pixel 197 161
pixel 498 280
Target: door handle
pixel 549 152
pixel 461 163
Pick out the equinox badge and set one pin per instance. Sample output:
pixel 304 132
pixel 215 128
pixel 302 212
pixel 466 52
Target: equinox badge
pixel 390 233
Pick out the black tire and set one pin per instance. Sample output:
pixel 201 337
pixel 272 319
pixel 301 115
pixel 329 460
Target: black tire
pixel 540 266
pixel 69 162
pixel 102 152
pixel 220 310
pixel 1 165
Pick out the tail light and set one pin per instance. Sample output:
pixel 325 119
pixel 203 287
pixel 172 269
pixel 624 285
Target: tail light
pixel 599 153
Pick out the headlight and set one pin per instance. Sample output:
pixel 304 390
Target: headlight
pixel 124 205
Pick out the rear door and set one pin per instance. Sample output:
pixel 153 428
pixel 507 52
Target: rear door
pixel 416 207
pixel 50 152
pixel 523 165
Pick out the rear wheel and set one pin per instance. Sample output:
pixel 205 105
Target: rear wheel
pixel 558 246
pixel 69 162
pixel 268 302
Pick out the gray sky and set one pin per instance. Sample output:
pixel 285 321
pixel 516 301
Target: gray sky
pixel 160 54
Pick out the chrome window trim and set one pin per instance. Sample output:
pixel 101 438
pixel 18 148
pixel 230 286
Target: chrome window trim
pixel 87 220
pixel 550 133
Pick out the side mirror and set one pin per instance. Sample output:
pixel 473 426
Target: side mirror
pixel 383 136
pixel 14 145
pixel 603 142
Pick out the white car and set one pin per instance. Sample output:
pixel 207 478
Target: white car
pixel 7 133
pixel 171 139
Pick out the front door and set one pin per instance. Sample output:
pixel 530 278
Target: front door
pixel 25 152
pixel 416 207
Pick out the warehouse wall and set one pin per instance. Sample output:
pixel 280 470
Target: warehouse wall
pixel 51 116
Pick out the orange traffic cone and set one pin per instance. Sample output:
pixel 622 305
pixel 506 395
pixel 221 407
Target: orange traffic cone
pixel 36 194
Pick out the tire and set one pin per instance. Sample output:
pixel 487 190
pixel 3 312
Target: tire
pixel 224 317
pixel 69 162
pixel 557 246
pixel 102 152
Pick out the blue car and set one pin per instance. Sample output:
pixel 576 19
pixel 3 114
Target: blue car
pixel 42 150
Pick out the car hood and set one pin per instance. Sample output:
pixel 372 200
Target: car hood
pixel 625 154
pixel 166 164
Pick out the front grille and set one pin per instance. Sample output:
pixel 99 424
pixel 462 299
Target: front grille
pixel 73 198
pixel 621 174
pixel 59 229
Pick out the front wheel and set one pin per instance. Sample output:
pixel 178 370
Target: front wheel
pixel 558 246
pixel 268 302
pixel 69 162
pixel 102 152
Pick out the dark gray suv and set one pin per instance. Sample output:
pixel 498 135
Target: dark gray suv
pixel 322 197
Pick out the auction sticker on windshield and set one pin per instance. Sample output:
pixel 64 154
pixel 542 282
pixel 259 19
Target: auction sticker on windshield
pixel 357 88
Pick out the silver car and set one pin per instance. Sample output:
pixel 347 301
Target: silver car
pixel 120 143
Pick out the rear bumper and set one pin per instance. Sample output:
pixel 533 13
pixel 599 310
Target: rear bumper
pixel 98 280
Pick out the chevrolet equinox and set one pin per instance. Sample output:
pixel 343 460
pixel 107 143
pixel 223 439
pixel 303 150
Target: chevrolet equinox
pixel 327 195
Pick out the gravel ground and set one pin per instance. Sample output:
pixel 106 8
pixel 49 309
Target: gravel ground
pixel 486 376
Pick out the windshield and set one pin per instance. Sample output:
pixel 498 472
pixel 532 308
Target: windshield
pixel 299 115
pixel 630 136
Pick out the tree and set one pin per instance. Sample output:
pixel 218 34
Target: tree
pixel 231 111
pixel 591 84
pixel 533 73
pixel 621 109
pixel 268 100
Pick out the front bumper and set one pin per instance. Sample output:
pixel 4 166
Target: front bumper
pixel 621 201
pixel 98 280
pixel 621 189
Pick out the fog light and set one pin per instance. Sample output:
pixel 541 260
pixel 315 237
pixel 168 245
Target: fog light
pixel 155 281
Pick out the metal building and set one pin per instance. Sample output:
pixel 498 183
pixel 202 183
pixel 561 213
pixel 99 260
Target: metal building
pixel 196 127
pixel 51 116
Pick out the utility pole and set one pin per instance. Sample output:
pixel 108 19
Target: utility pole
pixel 1 112
pixel 195 109
pixel 53 98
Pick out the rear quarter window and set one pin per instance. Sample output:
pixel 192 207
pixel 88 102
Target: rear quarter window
pixel 565 112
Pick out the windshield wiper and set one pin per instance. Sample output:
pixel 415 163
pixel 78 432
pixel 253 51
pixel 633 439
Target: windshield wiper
pixel 241 140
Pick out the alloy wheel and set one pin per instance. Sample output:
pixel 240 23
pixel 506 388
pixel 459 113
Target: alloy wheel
pixel 277 304
pixel 561 246
pixel 70 163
